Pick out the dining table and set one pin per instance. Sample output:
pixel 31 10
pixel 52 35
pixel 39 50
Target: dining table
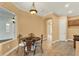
pixel 76 38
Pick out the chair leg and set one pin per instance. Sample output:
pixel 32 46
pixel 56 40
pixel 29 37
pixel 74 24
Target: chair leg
pixel 34 51
pixel 24 52
pixel 41 49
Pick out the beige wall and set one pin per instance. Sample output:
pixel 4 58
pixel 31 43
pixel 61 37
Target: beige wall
pixel 55 28
pixel 30 24
pixel 73 30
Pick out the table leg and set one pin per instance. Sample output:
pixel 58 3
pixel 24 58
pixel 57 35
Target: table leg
pixel 74 43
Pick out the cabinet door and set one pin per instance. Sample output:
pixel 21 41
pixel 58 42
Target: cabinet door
pixel 73 22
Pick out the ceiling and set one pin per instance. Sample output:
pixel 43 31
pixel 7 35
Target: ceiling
pixel 44 8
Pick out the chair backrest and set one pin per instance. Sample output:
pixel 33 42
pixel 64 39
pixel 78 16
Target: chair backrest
pixel 41 39
pixel 19 37
pixel 31 35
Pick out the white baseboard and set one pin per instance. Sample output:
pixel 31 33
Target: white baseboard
pixel 70 39
pixel 61 40
pixel 7 53
pixel 6 42
pixel 55 41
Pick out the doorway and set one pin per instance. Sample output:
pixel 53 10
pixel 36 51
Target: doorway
pixel 49 30
pixel 63 28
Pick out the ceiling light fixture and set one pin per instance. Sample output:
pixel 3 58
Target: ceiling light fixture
pixel 70 11
pixel 67 5
pixel 33 10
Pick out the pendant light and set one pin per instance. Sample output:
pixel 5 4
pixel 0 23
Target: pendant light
pixel 33 10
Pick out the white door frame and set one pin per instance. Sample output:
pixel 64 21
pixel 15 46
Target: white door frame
pixel 49 29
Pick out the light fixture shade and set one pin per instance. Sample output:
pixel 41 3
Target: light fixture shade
pixel 33 10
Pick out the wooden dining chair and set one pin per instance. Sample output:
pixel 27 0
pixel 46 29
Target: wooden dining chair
pixel 42 43
pixel 39 44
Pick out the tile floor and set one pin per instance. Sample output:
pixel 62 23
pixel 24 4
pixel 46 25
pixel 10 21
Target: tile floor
pixel 57 49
